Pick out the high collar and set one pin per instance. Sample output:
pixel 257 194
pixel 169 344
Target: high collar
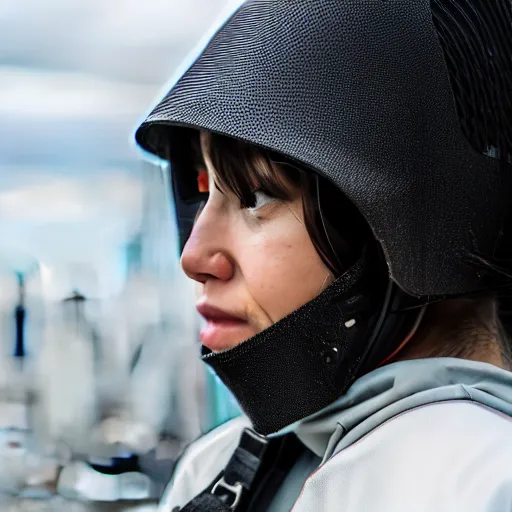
pixel 398 387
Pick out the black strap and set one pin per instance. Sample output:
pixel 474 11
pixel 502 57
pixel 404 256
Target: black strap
pixel 252 477
pixel 282 455
pixel 227 492
pixel 206 501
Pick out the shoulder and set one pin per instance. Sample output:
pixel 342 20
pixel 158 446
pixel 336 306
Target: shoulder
pixel 440 431
pixel 444 456
pixel 202 461
pixel 462 422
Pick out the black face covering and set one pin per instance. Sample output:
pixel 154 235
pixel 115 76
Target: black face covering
pixel 308 359
pixel 315 350
pixel 379 97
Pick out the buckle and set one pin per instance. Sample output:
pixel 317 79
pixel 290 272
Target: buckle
pixel 236 490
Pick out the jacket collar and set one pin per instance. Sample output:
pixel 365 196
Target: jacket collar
pixel 398 387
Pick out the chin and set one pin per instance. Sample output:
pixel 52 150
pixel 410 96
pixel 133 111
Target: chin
pixel 220 340
pixel 229 345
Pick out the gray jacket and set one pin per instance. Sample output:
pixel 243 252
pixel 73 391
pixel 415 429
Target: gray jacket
pixel 424 435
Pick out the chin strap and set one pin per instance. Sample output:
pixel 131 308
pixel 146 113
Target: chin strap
pixel 399 318
pixel 407 339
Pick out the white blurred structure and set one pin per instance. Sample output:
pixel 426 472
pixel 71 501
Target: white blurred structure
pixel 73 195
pixel 71 92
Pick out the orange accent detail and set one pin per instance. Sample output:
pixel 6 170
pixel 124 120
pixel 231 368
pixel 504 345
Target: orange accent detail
pixel 406 340
pixel 398 349
pixel 202 181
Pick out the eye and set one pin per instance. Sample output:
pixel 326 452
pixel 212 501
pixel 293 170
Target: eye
pixel 261 199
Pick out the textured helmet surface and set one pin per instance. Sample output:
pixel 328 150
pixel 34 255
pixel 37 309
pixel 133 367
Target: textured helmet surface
pixel 359 91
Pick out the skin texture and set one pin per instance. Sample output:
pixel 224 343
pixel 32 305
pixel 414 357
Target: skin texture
pixel 257 264
pixel 459 328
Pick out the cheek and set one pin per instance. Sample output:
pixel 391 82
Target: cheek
pixel 282 270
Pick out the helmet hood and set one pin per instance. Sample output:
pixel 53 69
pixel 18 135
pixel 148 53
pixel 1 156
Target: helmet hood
pixel 359 92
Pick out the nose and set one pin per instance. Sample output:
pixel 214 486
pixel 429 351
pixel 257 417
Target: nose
pixel 205 256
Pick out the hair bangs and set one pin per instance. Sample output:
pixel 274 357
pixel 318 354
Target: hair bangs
pixel 336 228
pixel 244 169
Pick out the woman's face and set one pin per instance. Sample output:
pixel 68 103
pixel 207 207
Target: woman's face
pixel 254 266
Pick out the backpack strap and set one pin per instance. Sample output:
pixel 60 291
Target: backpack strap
pixel 227 491
pixel 253 475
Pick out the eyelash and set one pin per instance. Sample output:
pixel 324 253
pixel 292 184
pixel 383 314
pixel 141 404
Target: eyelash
pixel 268 200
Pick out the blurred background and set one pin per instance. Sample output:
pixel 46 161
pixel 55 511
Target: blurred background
pixel 101 387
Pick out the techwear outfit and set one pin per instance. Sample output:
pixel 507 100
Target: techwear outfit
pixel 405 107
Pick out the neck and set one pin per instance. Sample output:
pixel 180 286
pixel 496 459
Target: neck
pixel 461 328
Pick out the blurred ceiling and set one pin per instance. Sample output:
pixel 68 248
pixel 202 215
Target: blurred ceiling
pixel 75 78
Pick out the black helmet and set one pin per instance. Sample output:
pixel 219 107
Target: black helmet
pixel 406 107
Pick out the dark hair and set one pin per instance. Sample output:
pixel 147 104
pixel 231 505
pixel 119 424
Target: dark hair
pixel 336 228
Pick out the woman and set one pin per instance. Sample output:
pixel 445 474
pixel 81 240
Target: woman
pixel 342 180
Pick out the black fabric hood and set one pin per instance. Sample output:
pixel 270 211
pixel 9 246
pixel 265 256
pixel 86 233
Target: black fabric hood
pixel 360 92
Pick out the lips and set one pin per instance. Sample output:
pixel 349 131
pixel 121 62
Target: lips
pixel 212 313
pixel 223 330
